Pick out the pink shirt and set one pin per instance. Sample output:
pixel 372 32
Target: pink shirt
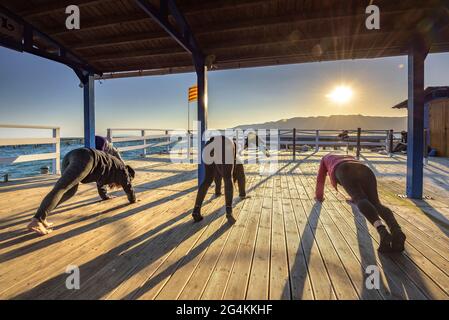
pixel 327 166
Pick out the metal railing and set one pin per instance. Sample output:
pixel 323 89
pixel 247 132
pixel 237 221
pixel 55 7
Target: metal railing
pixel 54 140
pixel 358 139
pixel 150 138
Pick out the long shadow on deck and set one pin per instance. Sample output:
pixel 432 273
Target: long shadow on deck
pixel 399 285
pixel 439 219
pixel 29 213
pixel 307 242
pixel 77 231
pixel 29 183
pixel 24 235
pixel 107 272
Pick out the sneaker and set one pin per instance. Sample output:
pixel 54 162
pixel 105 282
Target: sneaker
pixel 197 217
pixel 230 218
pixel 398 240
pixel 385 240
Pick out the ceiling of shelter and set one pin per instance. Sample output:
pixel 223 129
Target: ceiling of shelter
pixel 117 35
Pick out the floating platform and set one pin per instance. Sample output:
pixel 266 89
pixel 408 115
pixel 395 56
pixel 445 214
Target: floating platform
pixel 283 245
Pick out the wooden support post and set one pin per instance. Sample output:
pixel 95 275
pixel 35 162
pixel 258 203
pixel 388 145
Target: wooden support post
pixel 294 144
pixel 89 111
pixel 359 134
pixel 57 162
pixel 415 145
pixel 317 140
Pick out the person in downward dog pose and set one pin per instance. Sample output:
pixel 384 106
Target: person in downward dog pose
pixel 83 165
pixel 360 183
pixel 102 144
pixel 221 165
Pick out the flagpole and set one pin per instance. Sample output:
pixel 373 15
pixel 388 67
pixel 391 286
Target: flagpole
pixel 188 130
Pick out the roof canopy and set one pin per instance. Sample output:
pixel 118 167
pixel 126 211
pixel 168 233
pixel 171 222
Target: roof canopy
pixel 118 36
pixel 430 94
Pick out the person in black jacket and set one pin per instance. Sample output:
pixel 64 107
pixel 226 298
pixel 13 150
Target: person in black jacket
pixel 221 165
pixel 83 165
pixel 102 144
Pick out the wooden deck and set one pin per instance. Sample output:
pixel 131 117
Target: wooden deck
pixel 283 246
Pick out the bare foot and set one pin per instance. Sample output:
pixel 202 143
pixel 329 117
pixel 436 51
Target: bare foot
pixel 47 224
pixel 38 227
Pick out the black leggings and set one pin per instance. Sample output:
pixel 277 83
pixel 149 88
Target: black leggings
pixel 76 166
pixel 228 173
pixel 361 185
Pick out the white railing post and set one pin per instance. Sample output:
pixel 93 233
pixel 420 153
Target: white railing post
pixel 168 141
pixel 57 160
pixel 109 136
pixel 279 140
pixel 387 142
pixel 426 147
pixel 144 153
pixel 189 144
pixel 317 140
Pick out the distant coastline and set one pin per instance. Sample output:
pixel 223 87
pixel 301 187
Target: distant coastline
pixel 334 122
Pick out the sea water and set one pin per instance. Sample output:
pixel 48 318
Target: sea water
pixel 32 168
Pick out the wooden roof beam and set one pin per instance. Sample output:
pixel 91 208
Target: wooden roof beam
pixel 243 43
pixel 58 6
pixel 262 60
pixel 112 21
pixel 201 30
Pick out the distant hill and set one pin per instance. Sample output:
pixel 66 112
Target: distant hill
pixel 336 122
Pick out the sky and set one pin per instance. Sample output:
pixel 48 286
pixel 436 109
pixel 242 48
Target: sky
pixel 36 91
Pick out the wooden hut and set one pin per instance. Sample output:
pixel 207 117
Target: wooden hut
pixel 436 118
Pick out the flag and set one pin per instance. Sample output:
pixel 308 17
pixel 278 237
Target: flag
pixel 193 93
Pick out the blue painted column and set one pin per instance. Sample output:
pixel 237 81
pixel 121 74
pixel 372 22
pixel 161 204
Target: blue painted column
pixel 89 111
pixel 201 72
pixel 415 139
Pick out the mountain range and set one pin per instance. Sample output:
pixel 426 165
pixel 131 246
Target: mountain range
pixel 337 122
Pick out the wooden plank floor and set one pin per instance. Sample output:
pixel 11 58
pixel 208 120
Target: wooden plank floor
pixel 283 245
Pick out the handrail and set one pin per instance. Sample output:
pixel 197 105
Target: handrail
pixel 142 137
pixel 55 140
pixel 355 138
pixel 18 126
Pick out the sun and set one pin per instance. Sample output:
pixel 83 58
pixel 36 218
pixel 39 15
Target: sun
pixel 341 94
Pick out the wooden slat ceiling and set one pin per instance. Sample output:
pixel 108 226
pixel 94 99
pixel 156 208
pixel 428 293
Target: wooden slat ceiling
pixel 117 36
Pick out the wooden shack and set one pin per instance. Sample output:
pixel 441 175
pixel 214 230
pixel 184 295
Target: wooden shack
pixel 436 119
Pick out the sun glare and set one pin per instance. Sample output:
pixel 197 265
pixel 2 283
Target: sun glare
pixel 341 94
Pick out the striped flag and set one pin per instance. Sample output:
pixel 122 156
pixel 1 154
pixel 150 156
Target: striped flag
pixel 193 93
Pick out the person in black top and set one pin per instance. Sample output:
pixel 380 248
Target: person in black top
pixel 102 144
pixel 221 165
pixel 83 165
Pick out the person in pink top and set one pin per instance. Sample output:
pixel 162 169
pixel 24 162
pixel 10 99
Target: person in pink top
pixel 360 183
